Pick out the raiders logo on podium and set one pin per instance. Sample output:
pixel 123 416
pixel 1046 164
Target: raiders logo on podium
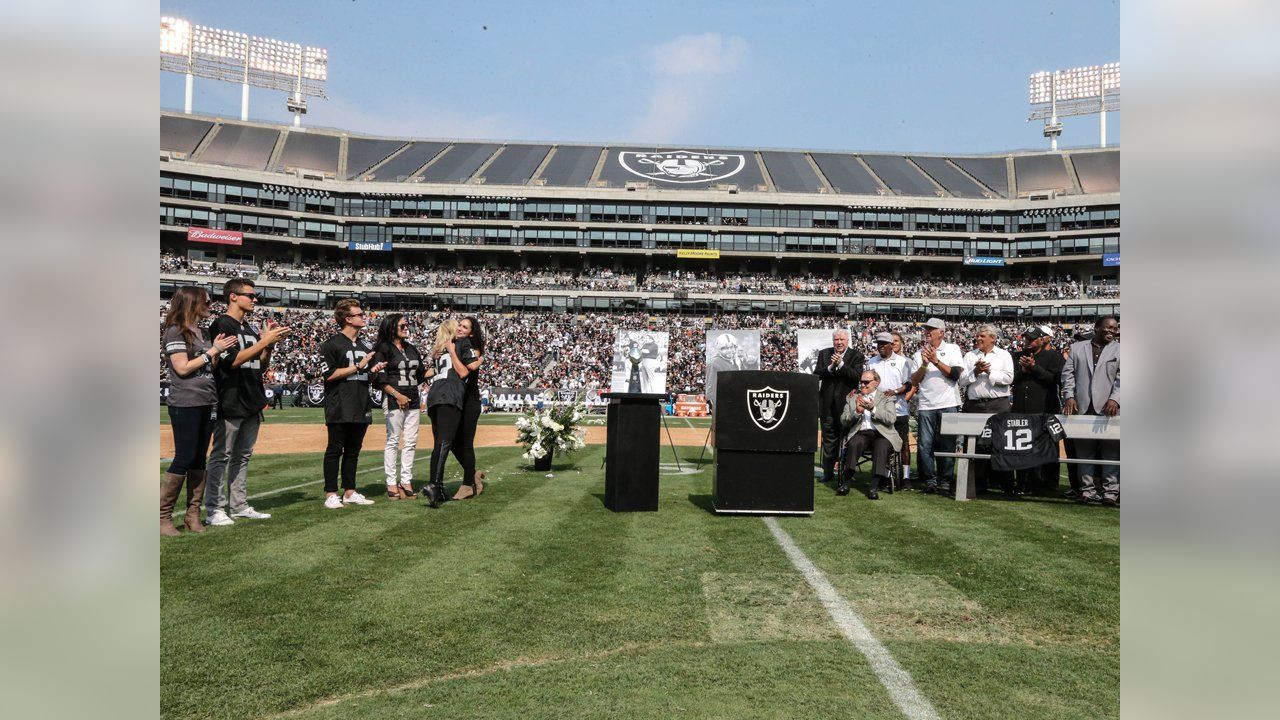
pixel 682 166
pixel 315 393
pixel 767 406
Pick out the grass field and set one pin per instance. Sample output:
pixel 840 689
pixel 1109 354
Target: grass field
pixel 534 601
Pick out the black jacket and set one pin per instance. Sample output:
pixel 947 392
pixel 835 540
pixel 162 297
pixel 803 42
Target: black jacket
pixel 1036 391
pixel 833 387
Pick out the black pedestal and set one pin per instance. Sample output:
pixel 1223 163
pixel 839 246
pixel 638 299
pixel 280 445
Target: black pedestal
pixel 766 434
pixel 631 451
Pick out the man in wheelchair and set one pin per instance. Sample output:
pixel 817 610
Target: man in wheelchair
pixel 868 421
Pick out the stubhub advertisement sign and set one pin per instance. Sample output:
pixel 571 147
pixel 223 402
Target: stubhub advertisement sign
pixel 1111 260
pixel 987 261
pixel 381 246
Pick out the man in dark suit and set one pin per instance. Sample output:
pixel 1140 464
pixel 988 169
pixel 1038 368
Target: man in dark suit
pixel 1091 386
pixel 1036 374
pixel 838 369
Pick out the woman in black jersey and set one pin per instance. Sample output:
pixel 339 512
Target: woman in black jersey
pixel 346 363
pixel 444 406
pixel 401 401
pixel 470 347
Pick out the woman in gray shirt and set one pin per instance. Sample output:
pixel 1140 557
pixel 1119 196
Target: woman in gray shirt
pixel 192 395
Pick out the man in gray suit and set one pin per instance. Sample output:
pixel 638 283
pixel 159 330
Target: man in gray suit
pixel 1091 386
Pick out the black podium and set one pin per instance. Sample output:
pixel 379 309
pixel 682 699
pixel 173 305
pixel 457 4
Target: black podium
pixel 631 451
pixel 766 434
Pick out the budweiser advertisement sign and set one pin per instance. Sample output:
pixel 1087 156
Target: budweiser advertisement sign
pixel 217 237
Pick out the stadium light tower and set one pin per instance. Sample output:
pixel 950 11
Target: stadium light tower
pixel 195 50
pixel 1078 91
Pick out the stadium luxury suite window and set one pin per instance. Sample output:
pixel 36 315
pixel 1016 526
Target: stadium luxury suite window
pixel 483 211
pixel 417 234
pixel 367 233
pixel 320 230
pixel 484 236
pixel 615 213
pixel 1031 223
pixel 550 211
pixel 610 239
pixel 942 248
pixel 364 207
pixel 186 216
pixel 983 248
pixel 734 216
pixel 811 243
pixel 555 238
pixel 681 240
pixel 876 221
pixel 1032 248
pixel 992 224
pixel 681 216
pixel 1090 219
pixel 416 208
pixel 256 224
pixel 825 219
pixel 946 223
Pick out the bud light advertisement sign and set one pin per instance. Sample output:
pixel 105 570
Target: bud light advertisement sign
pixel 985 261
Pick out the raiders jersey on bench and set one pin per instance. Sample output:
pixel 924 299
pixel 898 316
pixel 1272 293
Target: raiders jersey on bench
pixel 1019 441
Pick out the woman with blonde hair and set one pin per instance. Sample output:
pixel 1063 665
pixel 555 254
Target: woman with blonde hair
pixel 190 359
pixel 445 399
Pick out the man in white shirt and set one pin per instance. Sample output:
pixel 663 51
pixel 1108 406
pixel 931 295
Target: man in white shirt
pixel 937 366
pixel 987 382
pixel 895 379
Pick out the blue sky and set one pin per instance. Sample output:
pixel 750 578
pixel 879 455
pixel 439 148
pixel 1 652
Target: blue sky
pixel 883 76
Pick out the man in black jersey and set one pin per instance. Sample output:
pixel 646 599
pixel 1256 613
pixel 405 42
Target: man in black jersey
pixel 241 399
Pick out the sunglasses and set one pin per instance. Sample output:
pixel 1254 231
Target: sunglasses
pixel 359 314
pixel 403 325
pixel 251 296
pixel 865 382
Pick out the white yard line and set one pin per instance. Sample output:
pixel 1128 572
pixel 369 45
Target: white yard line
pixel 894 678
pixel 306 484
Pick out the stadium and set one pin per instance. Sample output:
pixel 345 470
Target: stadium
pixel 534 600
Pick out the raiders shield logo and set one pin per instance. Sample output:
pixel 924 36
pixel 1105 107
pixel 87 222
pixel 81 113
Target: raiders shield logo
pixel 315 393
pixel 682 166
pixel 376 396
pixel 767 407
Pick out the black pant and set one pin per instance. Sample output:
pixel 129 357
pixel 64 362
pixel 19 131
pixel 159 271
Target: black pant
pixel 831 437
pixel 345 440
pixel 445 420
pixel 880 449
pixel 982 468
pixel 464 443
pixel 192 427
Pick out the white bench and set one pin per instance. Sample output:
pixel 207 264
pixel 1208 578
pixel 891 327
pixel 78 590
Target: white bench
pixel 969 426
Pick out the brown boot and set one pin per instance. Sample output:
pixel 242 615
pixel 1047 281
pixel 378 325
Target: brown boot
pixel 480 476
pixel 464 492
pixel 169 491
pixel 195 495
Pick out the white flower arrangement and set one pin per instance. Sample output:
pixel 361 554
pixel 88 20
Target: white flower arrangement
pixel 559 428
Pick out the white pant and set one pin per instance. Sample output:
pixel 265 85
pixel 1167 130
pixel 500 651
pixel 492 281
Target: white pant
pixel 400 422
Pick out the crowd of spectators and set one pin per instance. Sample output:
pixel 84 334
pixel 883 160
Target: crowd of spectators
pixel 600 279
pixel 570 351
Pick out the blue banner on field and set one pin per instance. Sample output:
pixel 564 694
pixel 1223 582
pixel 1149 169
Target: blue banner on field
pixel 380 246
pixel 986 261
pixel 1111 260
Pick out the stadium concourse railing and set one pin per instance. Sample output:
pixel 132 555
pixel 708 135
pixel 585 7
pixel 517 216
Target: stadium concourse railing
pixel 969 426
pixel 637 294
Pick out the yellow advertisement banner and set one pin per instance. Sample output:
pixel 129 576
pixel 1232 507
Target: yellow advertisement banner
pixel 698 253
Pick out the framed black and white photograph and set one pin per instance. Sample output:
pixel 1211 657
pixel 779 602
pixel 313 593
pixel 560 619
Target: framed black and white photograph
pixel 639 362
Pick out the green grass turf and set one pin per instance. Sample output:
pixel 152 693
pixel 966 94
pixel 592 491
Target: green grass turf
pixel 533 601
pixel 316 415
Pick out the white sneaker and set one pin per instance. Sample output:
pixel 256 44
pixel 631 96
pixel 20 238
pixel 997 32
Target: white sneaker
pixel 219 517
pixel 251 514
pixel 356 498
pixel 333 502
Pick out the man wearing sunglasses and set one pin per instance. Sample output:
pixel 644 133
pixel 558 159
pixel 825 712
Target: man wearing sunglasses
pixel 241 399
